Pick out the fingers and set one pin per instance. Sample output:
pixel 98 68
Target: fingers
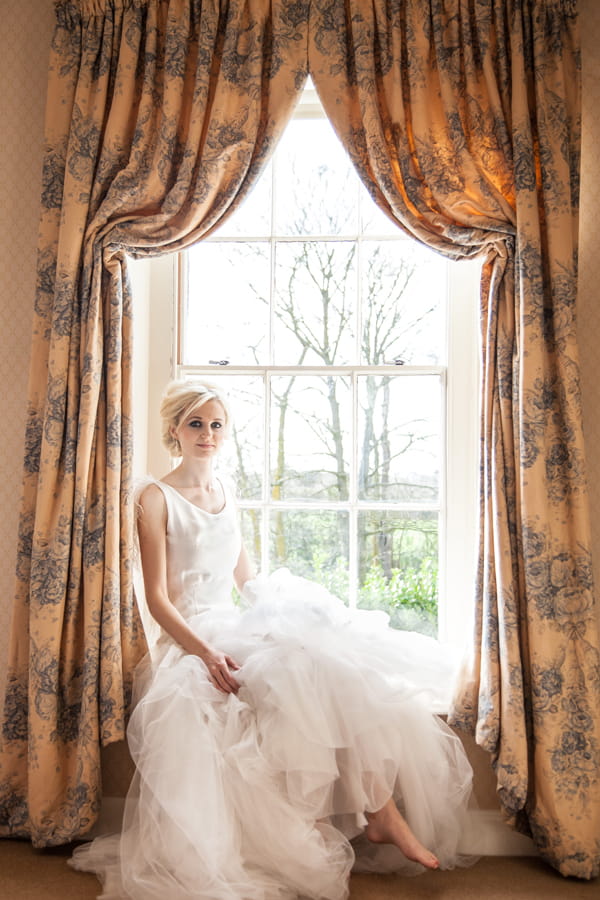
pixel 222 678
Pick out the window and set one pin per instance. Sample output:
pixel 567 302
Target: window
pixel 353 449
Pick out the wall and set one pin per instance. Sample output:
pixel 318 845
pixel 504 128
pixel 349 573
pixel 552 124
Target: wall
pixel 24 45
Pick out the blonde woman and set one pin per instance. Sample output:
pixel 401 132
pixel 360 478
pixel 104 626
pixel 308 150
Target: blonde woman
pixel 277 746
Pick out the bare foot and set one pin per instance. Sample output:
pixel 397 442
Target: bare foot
pixel 387 826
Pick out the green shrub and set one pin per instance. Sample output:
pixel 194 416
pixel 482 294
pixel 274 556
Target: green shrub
pixel 409 596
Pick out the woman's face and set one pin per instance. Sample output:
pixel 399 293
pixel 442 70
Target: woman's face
pixel 202 431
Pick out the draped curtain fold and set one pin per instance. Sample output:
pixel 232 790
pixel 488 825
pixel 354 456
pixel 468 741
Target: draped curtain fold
pixel 160 117
pixel 462 118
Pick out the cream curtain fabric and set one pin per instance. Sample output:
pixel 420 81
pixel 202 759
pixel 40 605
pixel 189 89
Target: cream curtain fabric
pixel 463 119
pixel 160 117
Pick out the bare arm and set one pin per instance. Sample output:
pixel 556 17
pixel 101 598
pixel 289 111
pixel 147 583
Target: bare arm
pixel 152 531
pixel 244 570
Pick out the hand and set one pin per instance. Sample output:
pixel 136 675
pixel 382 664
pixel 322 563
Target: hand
pixel 220 670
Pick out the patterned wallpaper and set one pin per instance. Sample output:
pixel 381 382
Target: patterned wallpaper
pixel 24 45
pixel 24 42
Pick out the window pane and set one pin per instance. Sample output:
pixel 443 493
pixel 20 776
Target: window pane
pixel 398 567
pixel 315 303
pixel 317 188
pixel 313 545
pixel 250 521
pixel 310 440
pixel 404 290
pixel 399 440
pixel 226 313
pixel 373 220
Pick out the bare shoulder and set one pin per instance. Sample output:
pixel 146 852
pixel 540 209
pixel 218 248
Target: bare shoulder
pixel 152 503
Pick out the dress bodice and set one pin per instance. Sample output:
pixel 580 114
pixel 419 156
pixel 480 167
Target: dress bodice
pixel 202 552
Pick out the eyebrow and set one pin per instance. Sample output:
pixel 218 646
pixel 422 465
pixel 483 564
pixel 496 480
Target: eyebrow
pixel 198 416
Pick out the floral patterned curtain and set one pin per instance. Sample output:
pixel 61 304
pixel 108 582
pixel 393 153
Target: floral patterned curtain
pixel 462 118
pixel 160 117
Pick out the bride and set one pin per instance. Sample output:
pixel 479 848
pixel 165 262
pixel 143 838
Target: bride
pixel 278 744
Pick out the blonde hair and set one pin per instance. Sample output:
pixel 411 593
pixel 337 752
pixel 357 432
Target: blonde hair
pixel 179 400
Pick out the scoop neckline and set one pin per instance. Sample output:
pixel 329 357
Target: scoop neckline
pixel 195 505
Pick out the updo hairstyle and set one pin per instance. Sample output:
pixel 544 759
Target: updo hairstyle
pixel 179 400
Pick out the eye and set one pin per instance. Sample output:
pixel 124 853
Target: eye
pixel 195 423
pixel 216 425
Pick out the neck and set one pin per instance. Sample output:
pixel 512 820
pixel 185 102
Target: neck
pixel 195 473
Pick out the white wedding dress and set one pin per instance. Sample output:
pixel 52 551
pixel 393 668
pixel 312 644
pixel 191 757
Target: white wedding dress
pixel 262 795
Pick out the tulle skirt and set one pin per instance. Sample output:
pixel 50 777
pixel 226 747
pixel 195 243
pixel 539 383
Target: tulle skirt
pixel 262 795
